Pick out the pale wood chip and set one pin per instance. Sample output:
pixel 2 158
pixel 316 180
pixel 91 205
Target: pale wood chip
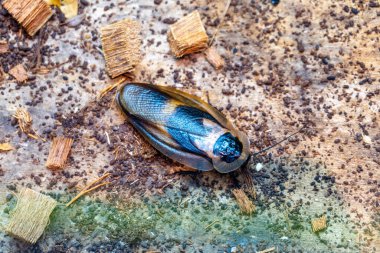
pixel 214 58
pixel 188 35
pixel 19 73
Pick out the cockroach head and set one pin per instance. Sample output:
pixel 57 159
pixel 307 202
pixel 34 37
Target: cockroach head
pixel 228 148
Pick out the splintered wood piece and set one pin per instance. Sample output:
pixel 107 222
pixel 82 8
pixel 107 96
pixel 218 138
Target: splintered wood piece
pixel 31 14
pixel 245 204
pixel 188 35
pixel 59 151
pixel 121 43
pixel 3 47
pixel 214 58
pixel 19 73
pixel 319 224
pixel 31 215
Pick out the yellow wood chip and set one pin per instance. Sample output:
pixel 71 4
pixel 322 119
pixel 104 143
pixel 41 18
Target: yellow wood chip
pixel 5 147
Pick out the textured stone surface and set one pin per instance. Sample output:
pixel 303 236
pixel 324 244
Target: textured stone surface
pixel 310 63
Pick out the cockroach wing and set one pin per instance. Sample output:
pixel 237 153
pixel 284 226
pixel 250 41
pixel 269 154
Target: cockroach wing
pixel 160 140
pixel 197 103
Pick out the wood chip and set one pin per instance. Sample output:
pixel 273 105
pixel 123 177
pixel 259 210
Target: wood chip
pixel 31 14
pixel 245 204
pixel 59 151
pixel 31 215
pixel 188 35
pixel 3 47
pixel 319 224
pixel 121 43
pixel 214 58
pixel 19 73
pixel 5 147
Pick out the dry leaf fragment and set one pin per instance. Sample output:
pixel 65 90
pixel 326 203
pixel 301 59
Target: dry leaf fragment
pixel 5 147
pixel 19 73
pixel 3 47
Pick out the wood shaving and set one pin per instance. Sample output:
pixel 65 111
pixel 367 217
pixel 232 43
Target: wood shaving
pixel 319 224
pixel 24 120
pixel 245 204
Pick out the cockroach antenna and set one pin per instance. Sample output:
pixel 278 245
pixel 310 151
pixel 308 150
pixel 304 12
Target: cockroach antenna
pixel 277 143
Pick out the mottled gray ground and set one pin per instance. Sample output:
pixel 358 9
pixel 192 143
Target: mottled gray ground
pixel 312 63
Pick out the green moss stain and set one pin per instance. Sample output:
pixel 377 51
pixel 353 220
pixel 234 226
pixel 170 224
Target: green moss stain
pixel 169 218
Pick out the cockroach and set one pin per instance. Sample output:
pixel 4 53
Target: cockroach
pixel 184 128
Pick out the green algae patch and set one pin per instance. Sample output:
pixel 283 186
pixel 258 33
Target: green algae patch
pixel 102 220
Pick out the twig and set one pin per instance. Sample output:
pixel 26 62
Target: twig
pixel 212 223
pixel 220 23
pixel 87 189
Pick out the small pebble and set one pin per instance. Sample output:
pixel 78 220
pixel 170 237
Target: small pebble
pixel 259 166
